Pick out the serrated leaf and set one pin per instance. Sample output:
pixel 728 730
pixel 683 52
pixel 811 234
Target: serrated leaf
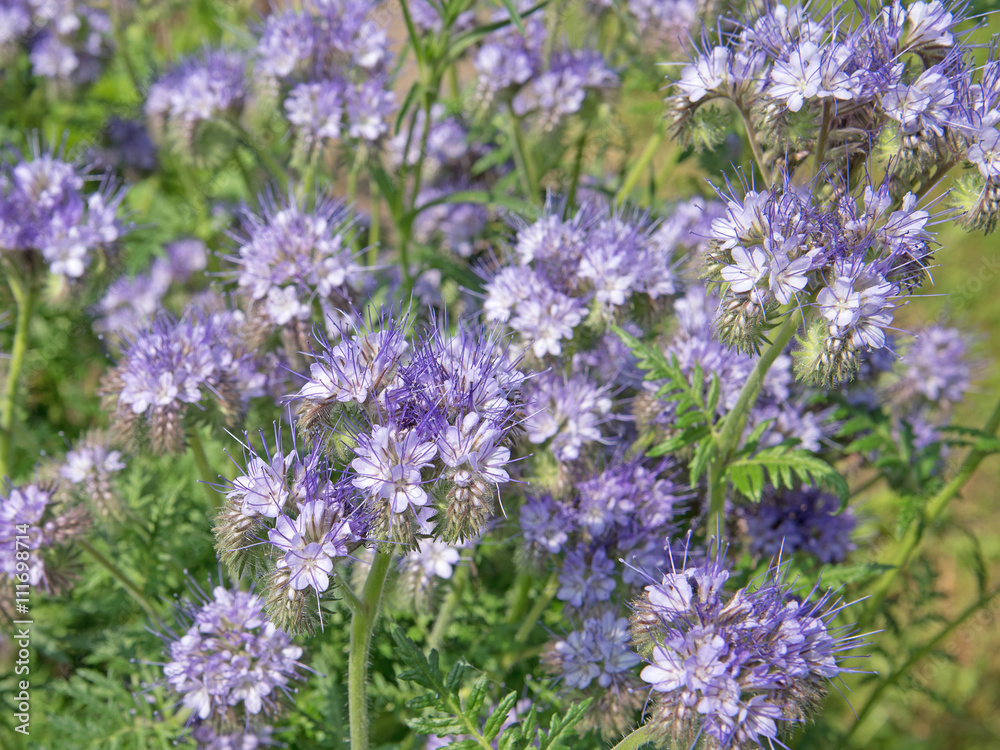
pixel 476 698
pixel 496 719
pixel 424 701
pixel 441 726
pixel 454 678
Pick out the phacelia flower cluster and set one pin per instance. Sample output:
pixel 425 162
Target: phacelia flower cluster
pixel 559 272
pixel 202 88
pixel 328 65
pixel 296 260
pixel 198 360
pixel 897 92
pixel 295 517
pixel 48 218
pixel 735 671
pixel 806 520
pixel 596 659
pixel 435 423
pixel 90 469
pixel 231 666
pixel 67 41
pixel 544 88
pixel 36 529
pixel 626 511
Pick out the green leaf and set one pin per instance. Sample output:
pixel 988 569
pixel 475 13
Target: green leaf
pixel 783 465
pixel 496 719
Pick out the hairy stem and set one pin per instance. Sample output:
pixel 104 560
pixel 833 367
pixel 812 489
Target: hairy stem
pixel 634 741
pixel 916 656
pixel 758 154
pixel 119 575
pixel 204 470
pixel 522 592
pixel 25 296
pixel 935 507
pixel 447 613
pixel 365 613
pixel 732 427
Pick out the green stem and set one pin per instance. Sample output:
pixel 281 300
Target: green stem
pixel 121 44
pixel 933 180
pixel 204 470
pixel 119 575
pixel 824 133
pixel 758 154
pixel 732 428
pixel 25 297
pixel 523 158
pixel 581 144
pixel 544 599
pixel 935 507
pixel 447 613
pixel 637 739
pixel 522 593
pixel 916 656
pixel 636 171
pixel 270 163
pixel 375 227
pixel 362 624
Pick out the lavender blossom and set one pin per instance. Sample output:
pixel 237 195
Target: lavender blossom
pixel 293 256
pixel 45 211
pixel 806 520
pixel 734 669
pixel 568 411
pixel 35 527
pixel 231 663
pixel 199 359
pixel 91 467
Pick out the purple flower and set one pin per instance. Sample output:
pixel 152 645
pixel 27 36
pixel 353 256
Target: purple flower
pixel 176 363
pixel 292 255
pixel 584 582
pixel 806 520
pixel 388 467
pixel 32 525
pixel 569 411
pixel 230 659
pixel 598 653
pixel 730 666
pixel 44 211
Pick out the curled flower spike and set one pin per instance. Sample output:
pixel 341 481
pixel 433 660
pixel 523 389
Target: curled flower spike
pixel 295 518
pixel 733 670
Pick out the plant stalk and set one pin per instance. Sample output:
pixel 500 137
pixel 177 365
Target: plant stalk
pixel 636 171
pixel 543 601
pixel 732 428
pixel 365 613
pixel 447 613
pixel 204 470
pixel 119 575
pixel 935 507
pixel 25 297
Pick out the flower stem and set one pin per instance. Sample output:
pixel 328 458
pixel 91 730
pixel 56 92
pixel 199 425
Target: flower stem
pixel 916 656
pixel 636 171
pixel 581 144
pixel 362 624
pixel 732 427
pixel 201 460
pixel 447 613
pixel 935 507
pixel 522 591
pixel 634 741
pixel 544 599
pixel 119 575
pixel 375 227
pixel 25 296
pixel 758 154
pixel 523 158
